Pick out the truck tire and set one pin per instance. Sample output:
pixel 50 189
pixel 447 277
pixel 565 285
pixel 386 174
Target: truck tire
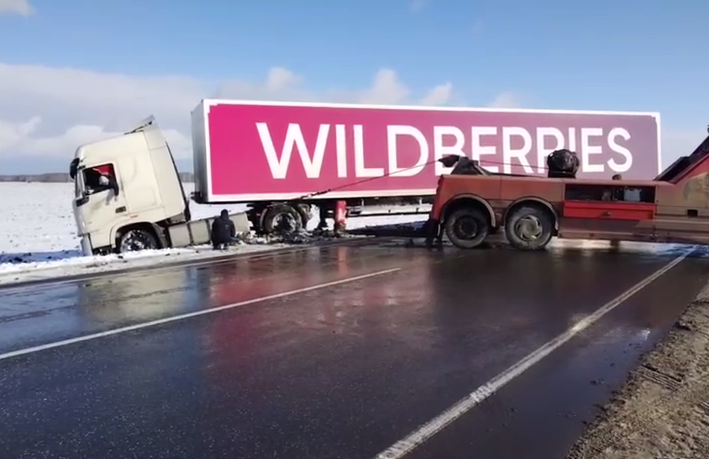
pixel 529 227
pixel 137 239
pixel 467 227
pixel 281 218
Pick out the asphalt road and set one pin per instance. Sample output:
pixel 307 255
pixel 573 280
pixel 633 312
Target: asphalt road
pixel 335 352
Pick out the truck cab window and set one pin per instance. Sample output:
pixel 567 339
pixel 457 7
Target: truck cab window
pixel 98 179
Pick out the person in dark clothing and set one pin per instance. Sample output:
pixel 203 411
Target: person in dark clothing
pixel 223 231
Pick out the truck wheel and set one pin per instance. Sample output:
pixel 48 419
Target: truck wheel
pixel 135 240
pixel 467 228
pixel 282 218
pixel 529 228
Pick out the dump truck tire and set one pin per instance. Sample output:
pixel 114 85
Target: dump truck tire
pixel 529 227
pixel 467 227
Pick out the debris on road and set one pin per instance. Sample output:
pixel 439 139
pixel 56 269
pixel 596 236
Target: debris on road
pixel 663 409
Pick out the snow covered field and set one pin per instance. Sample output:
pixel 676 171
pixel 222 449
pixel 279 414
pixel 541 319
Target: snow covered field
pixel 37 232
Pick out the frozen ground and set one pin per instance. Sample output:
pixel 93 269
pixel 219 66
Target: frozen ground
pixel 37 232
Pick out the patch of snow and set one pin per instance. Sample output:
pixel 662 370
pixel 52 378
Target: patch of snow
pixel 33 271
pixel 38 233
pixel 11 268
pixel 37 222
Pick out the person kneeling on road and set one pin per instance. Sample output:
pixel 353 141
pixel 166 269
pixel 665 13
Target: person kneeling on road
pixel 223 231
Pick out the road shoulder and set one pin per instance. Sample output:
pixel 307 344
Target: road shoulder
pixel 663 408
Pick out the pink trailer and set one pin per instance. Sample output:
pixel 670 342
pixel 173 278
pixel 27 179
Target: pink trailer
pixel 281 157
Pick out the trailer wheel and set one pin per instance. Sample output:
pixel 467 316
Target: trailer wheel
pixel 467 227
pixel 529 227
pixel 137 239
pixel 282 218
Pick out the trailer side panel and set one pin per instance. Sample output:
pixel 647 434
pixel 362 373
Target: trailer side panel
pixel 255 151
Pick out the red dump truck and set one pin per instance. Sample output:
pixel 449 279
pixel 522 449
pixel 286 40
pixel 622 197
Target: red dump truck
pixel 282 158
pixel 672 207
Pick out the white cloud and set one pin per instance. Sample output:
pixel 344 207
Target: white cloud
pixel 439 95
pixel 46 111
pixel 506 100
pixel 22 137
pixel 21 7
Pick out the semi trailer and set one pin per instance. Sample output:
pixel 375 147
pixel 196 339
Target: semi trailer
pixel 283 159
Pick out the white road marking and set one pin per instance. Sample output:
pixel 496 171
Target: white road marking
pixel 153 323
pixel 403 447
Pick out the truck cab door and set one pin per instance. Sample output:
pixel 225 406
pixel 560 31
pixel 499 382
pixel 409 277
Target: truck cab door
pixel 100 204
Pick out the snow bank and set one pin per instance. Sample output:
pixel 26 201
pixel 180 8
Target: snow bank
pixel 37 223
pixel 38 233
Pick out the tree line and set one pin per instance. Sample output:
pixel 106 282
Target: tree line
pixel 62 177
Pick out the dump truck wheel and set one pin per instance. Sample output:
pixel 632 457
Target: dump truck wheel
pixel 137 239
pixel 467 228
pixel 282 218
pixel 529 227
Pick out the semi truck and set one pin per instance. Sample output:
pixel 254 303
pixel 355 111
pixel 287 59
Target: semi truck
pixel 672 207
pixel 283 159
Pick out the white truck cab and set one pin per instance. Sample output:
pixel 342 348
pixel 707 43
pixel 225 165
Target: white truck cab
pixel 127 192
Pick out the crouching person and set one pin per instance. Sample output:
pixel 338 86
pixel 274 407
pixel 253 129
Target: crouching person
pixel 223 231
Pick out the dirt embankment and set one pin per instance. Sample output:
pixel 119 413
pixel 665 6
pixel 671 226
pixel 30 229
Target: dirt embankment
pixel 663 409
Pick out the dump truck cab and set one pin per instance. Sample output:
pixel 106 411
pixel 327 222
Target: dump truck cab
pixel 125 188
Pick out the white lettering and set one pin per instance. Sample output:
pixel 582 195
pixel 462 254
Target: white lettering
pixel 508 152
pixel 572 139
pixel 542 150
pixel 360 169
pixel 612 135
pixel 587 150
pixel 392 133
pixel 341 148
pixel 440 150
pixel 408 149
pixel 294 138
pixel 478 150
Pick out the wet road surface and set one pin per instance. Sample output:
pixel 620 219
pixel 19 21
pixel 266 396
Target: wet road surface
pixel 308 359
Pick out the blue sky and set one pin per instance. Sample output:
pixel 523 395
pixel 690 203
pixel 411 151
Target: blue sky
pixel 605 55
